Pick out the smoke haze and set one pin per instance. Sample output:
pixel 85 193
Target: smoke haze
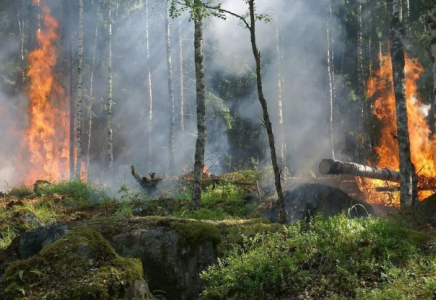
pixel 303 42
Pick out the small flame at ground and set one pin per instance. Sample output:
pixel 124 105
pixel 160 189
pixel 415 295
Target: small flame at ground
pixel 44 150
pixel 422 147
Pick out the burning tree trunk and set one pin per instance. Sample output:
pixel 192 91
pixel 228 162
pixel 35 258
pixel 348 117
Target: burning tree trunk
pixel 432 23
pixel 409 193
pixel 79 94
pixel 332 166
pixel 200 145
pixel 110 141
pixel 170 86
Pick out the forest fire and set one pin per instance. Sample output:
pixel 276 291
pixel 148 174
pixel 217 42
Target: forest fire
pixel 44 145
pixel 422 145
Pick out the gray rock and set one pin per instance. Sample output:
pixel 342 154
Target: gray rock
pixel 172 271
pixel 33 241
pixel 309 199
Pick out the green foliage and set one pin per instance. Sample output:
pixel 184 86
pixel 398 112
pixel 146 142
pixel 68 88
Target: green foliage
pixel 336 257
pixel 77 192
pixel 222 201
pixel 21 192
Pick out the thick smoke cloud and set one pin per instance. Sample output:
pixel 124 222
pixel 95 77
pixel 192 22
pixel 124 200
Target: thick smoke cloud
pixel 302 25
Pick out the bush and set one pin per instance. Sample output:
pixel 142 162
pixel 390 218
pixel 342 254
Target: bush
pixel 334 257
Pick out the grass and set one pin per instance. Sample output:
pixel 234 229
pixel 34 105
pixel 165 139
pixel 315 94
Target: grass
pixel 219 202
pixel 333 258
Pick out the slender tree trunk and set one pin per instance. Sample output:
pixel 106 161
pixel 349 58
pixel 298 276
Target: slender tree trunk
pixel 170 87
pixel 375 54
pixel 79 94
pixel 21 27
pixel 91 100
pixel 360 80
pixel 432 21
pixel 110 141
pixel 280 99
pixel 200 144
pixel 149 93
pixel 330 78
pixel 181 84
pixel 408 190
pixel 406 17
pixel 72 157
pixel 266 119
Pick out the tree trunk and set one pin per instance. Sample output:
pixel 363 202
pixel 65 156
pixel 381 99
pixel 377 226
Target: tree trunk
pixel 409 194
pixel 79 94
pixel 330 78
pixel 149 93
pixel 110 141
pixel 170 87
pixel 91 100
pixel 72 157
pixel 200 144
pixel 181 85
pixel 432 21
pixel 360 80
pixel 336 167
pixel 266 119
pixel 280 99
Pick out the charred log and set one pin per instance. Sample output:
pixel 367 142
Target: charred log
pixel 332 166
pixel 148 184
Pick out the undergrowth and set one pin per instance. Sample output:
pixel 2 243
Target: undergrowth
pixel 334 258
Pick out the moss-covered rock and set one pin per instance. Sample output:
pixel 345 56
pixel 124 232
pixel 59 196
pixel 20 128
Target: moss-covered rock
pixel 80 265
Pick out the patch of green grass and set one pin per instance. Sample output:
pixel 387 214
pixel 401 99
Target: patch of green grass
pixel 220 202
pixel 333 258
pixel 21 192
pixel 77 192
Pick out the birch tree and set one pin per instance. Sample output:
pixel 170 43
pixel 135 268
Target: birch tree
pixel 170 88
pixel 110 141
pixel 250 23
pixel 91 99
pixel 330 76
pixel 79 93
pixel 181 83
pixel 408 188
pixel 280 97
pixel 149 93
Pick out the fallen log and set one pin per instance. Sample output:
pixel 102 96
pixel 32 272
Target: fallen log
pixel 332 166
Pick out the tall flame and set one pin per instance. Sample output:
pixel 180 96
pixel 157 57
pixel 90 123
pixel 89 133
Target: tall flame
pixel 422 147
pixel 45 142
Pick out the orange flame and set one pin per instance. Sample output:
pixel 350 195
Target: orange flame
pixel 45 142
pixel 422 148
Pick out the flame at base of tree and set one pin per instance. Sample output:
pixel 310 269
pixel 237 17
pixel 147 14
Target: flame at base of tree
pixel 422 146
pixel 44 147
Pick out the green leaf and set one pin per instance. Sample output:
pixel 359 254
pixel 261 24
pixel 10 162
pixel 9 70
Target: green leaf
pixel 20 274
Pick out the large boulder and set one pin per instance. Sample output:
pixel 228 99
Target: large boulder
pixel 33 241
pixel 173 251
pixel 80 265
pixel 311 198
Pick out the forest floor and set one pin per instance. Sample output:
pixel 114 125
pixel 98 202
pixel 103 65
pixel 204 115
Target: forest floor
pixel 390 257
